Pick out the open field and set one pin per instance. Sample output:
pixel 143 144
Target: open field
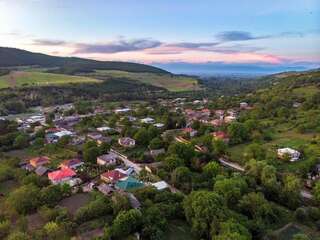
pixel 24 79
pixel 290 139
pixel 167 81
pixel 74 202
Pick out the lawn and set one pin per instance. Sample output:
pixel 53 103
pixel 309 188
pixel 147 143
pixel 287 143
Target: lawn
pixel 290 139
pixel 74 202
pixel 306 91
pixel 8 186
pixel 168 81
pixel 23 78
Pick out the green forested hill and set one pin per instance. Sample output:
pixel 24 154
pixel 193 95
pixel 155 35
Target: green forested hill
pixel 12 57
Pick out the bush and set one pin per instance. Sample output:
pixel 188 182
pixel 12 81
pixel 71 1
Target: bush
pixel 99 207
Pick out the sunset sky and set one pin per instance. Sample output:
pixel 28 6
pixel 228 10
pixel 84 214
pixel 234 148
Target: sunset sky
pixel 168 32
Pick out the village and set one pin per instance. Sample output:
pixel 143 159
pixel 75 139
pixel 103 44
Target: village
pixel 131 147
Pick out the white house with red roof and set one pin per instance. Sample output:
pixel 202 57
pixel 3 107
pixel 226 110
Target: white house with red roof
pixel 112 176
pixel 61 176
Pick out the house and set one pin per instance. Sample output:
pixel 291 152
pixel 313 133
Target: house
pixel 294 155
pixel 217 122
pixel 296 104
pixel 127 142
pixel 94 135
pixel 158 125
pixel 129 183
pixel 71 163
pixel 107 159
pixel 41 170
pixel 244 105
pixel 127 172
pixel 105 189
pixel 219 113
pixel 229 119
pixel 147 120
pixel 122 110
pixel 160 185
pixel 104 140
pixel 61 176
pixel 112 176
pixel 206 112
pixel 104 129
pixel 63 133
pixel 39 161
pixel 220 135
pixel 132 119
pixel 156 152
pixel 89 187
pixel 192 132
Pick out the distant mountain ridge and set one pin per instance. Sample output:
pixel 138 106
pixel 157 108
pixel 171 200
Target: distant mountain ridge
pixel 13 57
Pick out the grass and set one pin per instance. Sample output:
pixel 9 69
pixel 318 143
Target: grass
pixel 74 202
pixel 8 186
pixel 29 78
pixel 167 81
pixel 290 139
pixel 306 91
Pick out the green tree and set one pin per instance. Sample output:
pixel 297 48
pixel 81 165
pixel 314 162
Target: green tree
pixel 5 226
pixel 21 141
pixel 126 223
pixel 212 169
pixel 291 190
pixel 90 154
pixel 231 230
pixel 181 177
pixel 142 137
pixel 183 151
pixel 154 224
pixel 156 143
pixel 205 211
pixel 231 189
pixel 316 191
pixel 173 161
pixel 24 199
pixel 219 147
pixel 54 231
pixel 300 236
pixel 238 132
pixel 18 236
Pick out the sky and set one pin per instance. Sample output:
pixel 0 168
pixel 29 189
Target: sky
pixel 179 35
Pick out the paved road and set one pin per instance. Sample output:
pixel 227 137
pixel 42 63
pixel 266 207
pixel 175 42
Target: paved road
pixel 230 164
pixel 126 161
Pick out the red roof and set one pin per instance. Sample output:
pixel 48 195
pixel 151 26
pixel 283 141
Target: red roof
pixel 53 130
pixel 61 174
pixel 113 175
pixel 70 163
pixel 39 161
pixel 220 135
pixel 188 130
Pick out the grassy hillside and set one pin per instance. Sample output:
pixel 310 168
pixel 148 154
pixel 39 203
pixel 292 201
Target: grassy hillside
pixel 11 57
pixel 22 78
pixel 289 115
pixel 170 82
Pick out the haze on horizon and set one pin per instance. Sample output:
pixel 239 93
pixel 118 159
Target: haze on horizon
pixel 177 35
